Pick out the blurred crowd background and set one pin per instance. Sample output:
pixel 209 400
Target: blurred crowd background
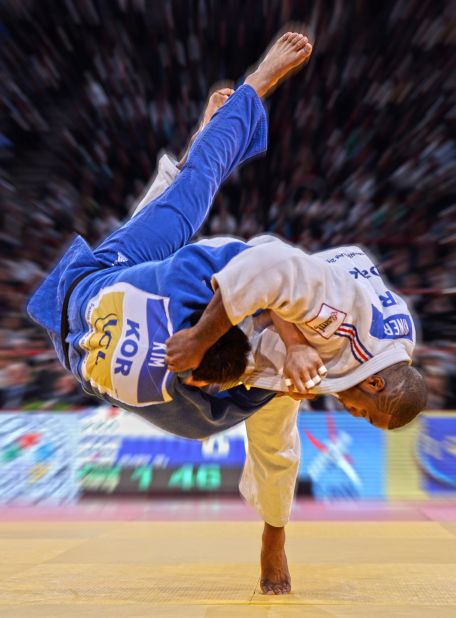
pixel 360 147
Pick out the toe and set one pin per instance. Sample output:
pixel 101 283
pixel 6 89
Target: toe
pixel 294 37
pixel 268 588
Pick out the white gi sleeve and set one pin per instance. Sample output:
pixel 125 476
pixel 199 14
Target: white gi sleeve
pixel 272 462
pixel 279 277
pixel 164 176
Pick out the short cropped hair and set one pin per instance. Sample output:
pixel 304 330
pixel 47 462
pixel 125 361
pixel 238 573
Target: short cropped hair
pixel 226 361
pixel 404 396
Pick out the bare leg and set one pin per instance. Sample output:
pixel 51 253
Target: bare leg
pixel 275 577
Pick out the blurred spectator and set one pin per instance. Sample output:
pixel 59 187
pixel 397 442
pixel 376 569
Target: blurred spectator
pixel 16 386
pixel 436 381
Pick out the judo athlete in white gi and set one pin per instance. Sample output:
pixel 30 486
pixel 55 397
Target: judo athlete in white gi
pixel 274 274
pixel 340 305
pixel 337 304
pixel 110 311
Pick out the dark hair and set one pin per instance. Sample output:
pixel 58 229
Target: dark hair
pixel 226 360
pixel 404 396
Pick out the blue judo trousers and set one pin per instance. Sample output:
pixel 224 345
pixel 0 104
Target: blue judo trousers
pixel 144 282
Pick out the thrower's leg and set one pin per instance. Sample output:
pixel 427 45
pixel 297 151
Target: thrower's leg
pixel 268 483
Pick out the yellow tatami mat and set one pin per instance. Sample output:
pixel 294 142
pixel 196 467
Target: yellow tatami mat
pixel 209 570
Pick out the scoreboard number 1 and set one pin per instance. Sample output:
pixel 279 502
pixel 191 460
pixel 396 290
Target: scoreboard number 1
pixel 143 475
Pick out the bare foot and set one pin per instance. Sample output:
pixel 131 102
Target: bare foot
pixel 275 577
pixel 288 53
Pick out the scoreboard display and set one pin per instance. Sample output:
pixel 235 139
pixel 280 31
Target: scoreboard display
pixel 121 453
pixel 187 478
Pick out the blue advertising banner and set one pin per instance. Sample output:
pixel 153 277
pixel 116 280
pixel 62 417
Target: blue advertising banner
pixel 112 437
pixel 436 453
pixel 226 450
pixel 342 457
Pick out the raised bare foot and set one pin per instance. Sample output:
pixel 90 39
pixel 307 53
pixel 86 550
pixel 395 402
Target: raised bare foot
pixel 275 577
pixel 287 54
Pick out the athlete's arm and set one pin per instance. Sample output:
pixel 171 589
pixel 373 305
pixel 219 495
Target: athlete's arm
pixel 279 277
pixel 186 349
pixel 263 277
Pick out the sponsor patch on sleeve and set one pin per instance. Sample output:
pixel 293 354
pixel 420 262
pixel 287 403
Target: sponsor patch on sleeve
pixel 327 321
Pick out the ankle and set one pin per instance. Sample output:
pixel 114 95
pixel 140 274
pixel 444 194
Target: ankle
pixel 255 81
pixel 273 537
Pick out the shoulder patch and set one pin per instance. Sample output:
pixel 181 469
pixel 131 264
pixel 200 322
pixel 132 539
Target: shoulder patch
pixel 327 321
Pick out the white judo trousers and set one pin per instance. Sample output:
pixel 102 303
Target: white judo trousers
pixel 273 447
pixel 272 463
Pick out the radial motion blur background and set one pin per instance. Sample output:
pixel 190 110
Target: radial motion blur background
pixel 360 152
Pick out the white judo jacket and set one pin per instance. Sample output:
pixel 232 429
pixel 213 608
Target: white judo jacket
pixel 338 300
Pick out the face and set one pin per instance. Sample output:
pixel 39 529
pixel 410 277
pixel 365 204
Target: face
pixel 361 403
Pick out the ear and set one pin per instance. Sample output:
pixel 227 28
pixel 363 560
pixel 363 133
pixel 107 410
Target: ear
pixel 373 384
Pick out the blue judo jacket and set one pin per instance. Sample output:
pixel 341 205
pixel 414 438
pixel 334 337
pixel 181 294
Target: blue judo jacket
pixel 119 318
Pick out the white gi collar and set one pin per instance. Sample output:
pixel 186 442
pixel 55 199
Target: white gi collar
pixel 265 366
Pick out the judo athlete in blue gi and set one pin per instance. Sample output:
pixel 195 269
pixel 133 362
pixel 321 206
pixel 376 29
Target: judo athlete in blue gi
pixel 138 289
pixel 110 311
